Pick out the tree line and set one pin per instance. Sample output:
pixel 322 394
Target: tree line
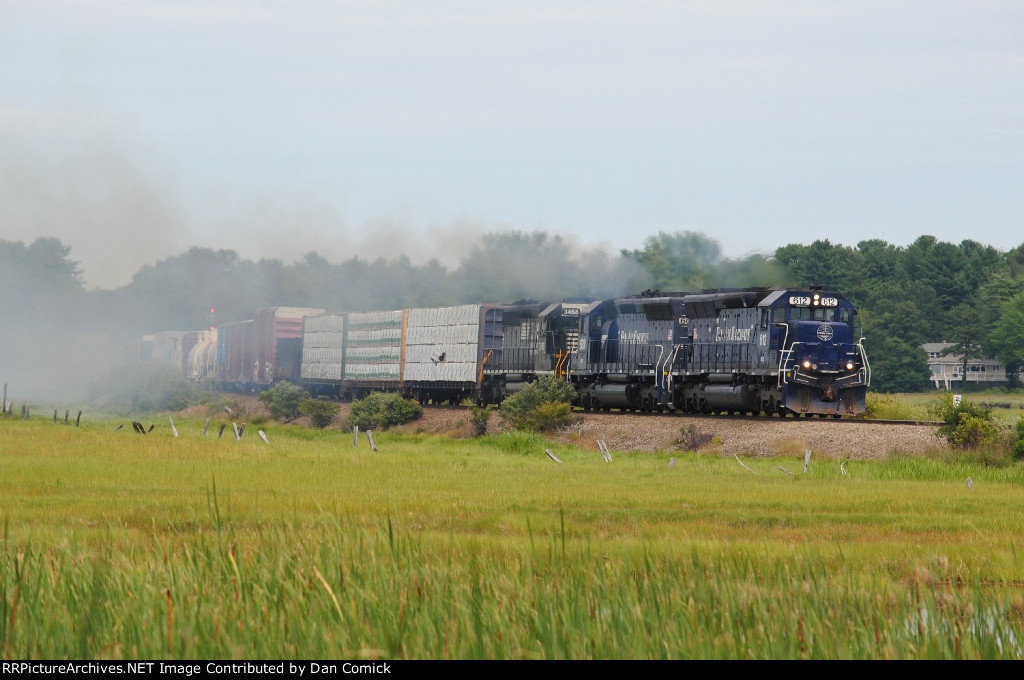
pixel 968 294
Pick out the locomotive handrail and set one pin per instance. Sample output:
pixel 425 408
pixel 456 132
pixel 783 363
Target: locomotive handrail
pixel 670 382
pixel 561 360
pixel 866 370
pixel 657 364
pixel 784 354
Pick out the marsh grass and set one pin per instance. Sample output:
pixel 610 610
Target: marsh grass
pixel 118 545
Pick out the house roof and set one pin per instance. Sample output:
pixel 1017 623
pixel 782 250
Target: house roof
pixel 951 358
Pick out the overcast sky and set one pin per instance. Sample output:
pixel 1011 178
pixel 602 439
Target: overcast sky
pixel 134 130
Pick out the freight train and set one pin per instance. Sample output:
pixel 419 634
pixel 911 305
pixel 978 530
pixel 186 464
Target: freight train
pixel 773 351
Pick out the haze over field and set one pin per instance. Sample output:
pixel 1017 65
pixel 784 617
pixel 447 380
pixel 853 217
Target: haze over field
pixel 134 131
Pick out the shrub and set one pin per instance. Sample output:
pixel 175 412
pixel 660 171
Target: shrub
pixel 549 416
pixel 478 419
pixel 321 413
pixel 283 400
pixel 691 439
pixel 542 405
pixel 967 425
pixel 1018 446
pixel 380 410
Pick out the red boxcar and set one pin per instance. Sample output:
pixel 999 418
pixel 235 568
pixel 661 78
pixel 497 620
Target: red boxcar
pixel 277 342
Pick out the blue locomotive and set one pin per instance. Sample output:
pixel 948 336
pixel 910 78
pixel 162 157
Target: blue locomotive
pixel 757 350
pixel 771 351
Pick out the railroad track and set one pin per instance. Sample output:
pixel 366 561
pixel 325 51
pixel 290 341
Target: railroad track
pixel 757 419
pixel 802 419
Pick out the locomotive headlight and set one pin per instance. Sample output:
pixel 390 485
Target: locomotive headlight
pixel 849 365
pixel 807 363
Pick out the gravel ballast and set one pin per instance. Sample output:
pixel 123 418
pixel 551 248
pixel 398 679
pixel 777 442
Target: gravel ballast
pixel 727 436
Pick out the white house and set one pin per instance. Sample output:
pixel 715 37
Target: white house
pixel 949 368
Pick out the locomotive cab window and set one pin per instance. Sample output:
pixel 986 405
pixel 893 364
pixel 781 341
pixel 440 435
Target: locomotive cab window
pixel 779 315
pixel 764 319
pixel 846 316
pixel 812 314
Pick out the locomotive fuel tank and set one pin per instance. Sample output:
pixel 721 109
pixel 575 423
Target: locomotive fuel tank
pixel 611 395
pixel 732 397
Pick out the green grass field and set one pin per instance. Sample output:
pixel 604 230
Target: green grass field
pixel 120 545
pixel 1006 405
